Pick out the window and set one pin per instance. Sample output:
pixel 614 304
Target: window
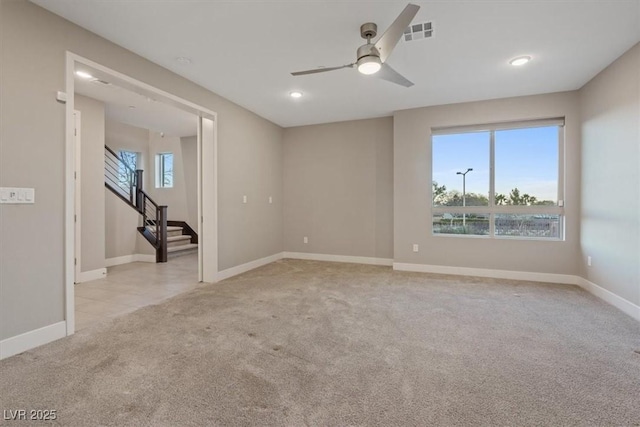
pixel 164 170
pixel 502 180
pixel 126 168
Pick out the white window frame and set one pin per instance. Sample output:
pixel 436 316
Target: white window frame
pixel 159 178
pixel 492 209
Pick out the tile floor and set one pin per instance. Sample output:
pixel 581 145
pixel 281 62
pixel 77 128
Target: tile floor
pixel 128 287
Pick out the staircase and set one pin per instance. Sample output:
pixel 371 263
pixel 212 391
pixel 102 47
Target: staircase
pixel 179 240
pixel 167 237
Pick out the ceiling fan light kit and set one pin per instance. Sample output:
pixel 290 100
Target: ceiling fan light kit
pixel 369 65
pixel 372 57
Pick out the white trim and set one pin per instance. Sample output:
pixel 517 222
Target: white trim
pixel 487 127
pixel 119 260
pixel 199 195
pixel 243 268
pixel 77 176
pixel 144 258
pixel 607 296
pixel 32 339
pixel 142 85
pixel 209 188
pixel 617 301
pixel 339 258
pixel 69 199
pixel 208 230
pixel 566 279
pixel 126 259
pixel 87 276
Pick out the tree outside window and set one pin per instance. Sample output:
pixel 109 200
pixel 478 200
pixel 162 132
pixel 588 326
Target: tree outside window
pixel 501 181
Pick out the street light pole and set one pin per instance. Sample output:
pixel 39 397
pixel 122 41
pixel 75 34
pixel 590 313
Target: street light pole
pixel 464 194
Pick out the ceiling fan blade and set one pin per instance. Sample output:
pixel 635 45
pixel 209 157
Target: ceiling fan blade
pixel 392 36
pixel 320 70
pixel 389 74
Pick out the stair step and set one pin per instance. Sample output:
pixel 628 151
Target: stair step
pixel 177 238
pixel 182 248
pixel 173 241
pixel 172 231
pixel 169 228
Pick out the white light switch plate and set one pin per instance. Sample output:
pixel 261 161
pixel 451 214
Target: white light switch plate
pixel 17 196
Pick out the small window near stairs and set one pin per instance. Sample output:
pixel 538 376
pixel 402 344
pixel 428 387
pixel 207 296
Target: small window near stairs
pixel 164 170
pixel 126 168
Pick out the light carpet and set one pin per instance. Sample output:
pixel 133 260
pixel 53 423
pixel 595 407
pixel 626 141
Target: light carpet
pixel 314 343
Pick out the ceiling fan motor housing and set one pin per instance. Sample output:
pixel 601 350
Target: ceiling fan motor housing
pixel 367 50
pixel 368 30
pixel 368 59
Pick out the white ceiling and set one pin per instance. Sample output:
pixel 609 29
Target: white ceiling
pixel 135 109
pixel 244 50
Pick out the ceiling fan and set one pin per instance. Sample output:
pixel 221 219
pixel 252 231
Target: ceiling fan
pixel 372 58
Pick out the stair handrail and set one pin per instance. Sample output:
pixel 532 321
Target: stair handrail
pixel 114 169
pixel 154 216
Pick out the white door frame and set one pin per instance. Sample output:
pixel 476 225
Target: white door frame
pixel 77 219
pixel 207 179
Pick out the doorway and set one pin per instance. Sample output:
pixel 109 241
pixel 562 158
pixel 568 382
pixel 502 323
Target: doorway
pixel 205 176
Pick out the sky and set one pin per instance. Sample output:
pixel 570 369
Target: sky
pixel 524 158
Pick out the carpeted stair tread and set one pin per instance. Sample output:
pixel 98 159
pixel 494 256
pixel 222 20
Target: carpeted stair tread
pixel 179 237
pixel 182 247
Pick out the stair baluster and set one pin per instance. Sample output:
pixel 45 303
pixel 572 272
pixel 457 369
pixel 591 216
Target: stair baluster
pixel 127 184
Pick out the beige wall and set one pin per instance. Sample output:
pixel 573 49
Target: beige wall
pixel 610 234
pixel 120 227
pixel 341 199
pixel 175 198
pixel 189 146
pixel 121 221
pixel 92 183
pixel 338 188
pixel 32 143
pixel 251 165
pixel 412 180
pixel 121 136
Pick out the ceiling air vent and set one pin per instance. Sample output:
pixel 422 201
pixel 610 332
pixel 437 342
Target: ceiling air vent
pixel 418 31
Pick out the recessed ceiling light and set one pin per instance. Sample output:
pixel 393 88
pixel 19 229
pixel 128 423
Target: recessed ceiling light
pixel 520 60
pixel 295 94
pixel 84 75
pixel 183 60
pixel 132 106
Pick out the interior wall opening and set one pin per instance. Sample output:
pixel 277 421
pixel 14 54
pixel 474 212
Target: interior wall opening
pixel 137 207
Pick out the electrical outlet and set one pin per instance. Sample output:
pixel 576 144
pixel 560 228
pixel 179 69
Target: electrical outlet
pixel 270 199
pixel 416 248
pixel 589 260
pixel 244 199
pixel 305 239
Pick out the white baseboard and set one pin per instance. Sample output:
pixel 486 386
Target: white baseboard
pixel 144 258
pixel 620 303
pixel 86 276
pixel 32 339
pixel 126 259
pixel 243 268
pixel 339 258
pixel 566 279
pixel 617 301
